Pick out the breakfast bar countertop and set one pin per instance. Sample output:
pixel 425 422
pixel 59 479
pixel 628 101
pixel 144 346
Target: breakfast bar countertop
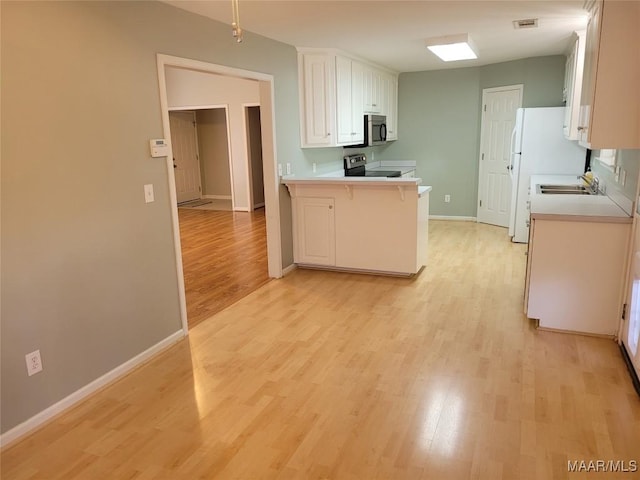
pixel 335 179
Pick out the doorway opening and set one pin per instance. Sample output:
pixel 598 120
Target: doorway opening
pixel 193 94
pixel 210 231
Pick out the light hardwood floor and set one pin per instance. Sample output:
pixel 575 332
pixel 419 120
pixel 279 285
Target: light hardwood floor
pixel 344 376
pixel 224 258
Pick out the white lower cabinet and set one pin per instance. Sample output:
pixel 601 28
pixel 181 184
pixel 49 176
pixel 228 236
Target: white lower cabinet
pixel 356 227
pixel 315 231
pixel 575 275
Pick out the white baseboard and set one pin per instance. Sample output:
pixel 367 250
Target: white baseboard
pixel 217 197
pixel 455 218
pixel 289 269
pixel 28 426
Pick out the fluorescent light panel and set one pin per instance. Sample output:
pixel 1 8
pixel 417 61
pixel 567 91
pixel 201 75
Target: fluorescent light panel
pixel 452 47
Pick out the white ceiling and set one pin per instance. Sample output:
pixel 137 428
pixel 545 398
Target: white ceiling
pixel 392 33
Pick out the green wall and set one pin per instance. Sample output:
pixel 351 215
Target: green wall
pixel 439 115
pixel 629 162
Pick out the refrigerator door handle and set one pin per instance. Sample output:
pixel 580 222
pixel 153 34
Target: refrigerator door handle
pixel 510 167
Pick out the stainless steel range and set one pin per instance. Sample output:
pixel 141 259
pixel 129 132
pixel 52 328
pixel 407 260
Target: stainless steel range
pixel 354 166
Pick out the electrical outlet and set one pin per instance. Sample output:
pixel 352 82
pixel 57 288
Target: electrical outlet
pixel 288 169
pixel 279 169
pixel 447 198
pixel 623 177
pixel 148 193
pixel 34 362
pixel 313 166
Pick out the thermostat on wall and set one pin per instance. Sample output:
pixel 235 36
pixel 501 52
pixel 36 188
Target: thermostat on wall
pixel 159 147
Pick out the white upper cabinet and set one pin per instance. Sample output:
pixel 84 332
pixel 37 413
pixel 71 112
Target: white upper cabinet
pixel 336 91
pixel 609 113
pixel 573 86
pixel 372 90
pixel 390 104
pixel 317 97
pixel 349 96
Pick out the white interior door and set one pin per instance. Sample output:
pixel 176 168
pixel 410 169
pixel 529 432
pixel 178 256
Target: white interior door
pixel 631 326
pixel 499 107
pixel 185 155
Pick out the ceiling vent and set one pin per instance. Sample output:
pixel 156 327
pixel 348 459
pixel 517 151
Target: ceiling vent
pixel 526 23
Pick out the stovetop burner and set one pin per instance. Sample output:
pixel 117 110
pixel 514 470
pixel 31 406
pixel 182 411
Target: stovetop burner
pixel 382 173
pixel 354 166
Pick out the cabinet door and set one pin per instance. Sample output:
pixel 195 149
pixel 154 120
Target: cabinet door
pixel 610 117
pixel 392 110
pixel 344 96
pixel 315 227
pixel 350 96
pixel 569 72
pixel 319 96
pixel 573 87
pixel 357 102
pixel 372 80
pixel 589 72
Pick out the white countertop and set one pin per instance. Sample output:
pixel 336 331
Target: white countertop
pixel 583 208
pixel 329 179
pixel 338 178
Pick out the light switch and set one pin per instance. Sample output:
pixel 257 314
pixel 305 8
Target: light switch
pixel 148 193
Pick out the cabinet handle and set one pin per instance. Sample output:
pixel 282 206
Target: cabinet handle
pixel 581 128
pixel 330 207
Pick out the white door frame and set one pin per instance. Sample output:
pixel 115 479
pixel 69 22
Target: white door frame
pixel 270 177
pixel 485 91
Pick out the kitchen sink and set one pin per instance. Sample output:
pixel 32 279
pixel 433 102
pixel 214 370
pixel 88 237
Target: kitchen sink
pixel 563 189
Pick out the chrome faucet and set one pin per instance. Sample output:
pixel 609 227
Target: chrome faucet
pixel 593 184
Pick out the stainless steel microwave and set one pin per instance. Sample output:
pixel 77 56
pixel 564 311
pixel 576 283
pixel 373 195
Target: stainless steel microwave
pixel 375 130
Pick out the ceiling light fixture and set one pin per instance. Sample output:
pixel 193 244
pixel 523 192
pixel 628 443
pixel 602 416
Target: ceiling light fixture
pixel 452 47
pixel 236 31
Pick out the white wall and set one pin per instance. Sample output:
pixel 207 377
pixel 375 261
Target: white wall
pixel 189 89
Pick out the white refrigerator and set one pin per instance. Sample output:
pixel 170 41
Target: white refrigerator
pixel 538 147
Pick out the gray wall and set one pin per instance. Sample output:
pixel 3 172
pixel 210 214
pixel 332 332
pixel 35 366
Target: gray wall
pixel 213 148
pixel 88 269
pixel 439 114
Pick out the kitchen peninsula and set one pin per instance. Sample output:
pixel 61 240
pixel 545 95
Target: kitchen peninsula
pixel 363 224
